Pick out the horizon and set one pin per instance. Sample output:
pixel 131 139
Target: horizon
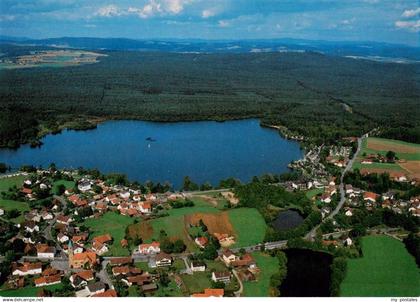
pixel 362 21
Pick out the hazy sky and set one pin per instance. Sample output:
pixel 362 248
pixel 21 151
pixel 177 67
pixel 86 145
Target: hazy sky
pixel 368 20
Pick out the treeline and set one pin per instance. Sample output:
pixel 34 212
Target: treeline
pixel 304 92
pixel 266 196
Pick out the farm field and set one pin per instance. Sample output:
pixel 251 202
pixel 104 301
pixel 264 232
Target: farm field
pixel 407 153
pixel 268 266
pixel 115 225
pixel 234 221
pixel 385 270
pixel 29 291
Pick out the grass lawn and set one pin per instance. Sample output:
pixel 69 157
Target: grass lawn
pixel 249 226
pixel 198 282
pixel 29 291
pixel 171 290
pixel 144 266
pixel 115 225
pixel 67 183
pixel 8 182
pixel 7 205
pixel 268 266
pixel 22 207
pixel 311 193
pixel 385 270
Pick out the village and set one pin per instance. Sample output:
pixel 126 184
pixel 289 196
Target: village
pixel 66 251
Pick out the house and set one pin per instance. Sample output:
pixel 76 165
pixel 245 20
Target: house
pixel 45 251
pixel 145 207
pixel 247 275
pixel 102 239
pixel 198 266
pixel 99 248
pixel 326 198
pixel 349 189
pixel 125 195
pixel 210 292
pixel 149 248
pixel 399 177
pixel 149 287
pixel 348 241
pixel 110 293
pixel 47 215
pixel 82 260
pixel 124 243
pixel 15 282
pixel 137 280
pixel 120 261
pixel 201 241
pixel 228 256
pixel 64 219
pixel 84 185
pixel 27 192
pixel 81 278
pixel 96 288
pixel 80 239
pixel 163 259
pixel 367 162
pixel 245 261
pixel 1 212
pixel 221 277
pixel 370 196
pixel 62 238
pixel 48 280
pixel 31 226
pixel 349 213
pixel 27 268
pixel 125 270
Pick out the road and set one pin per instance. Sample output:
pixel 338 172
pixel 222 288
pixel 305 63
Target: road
pixel 348 167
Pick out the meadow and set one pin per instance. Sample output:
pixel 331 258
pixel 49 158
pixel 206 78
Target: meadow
pixel 114 224
pixel 8 205
pixel 386 269
pixel 268 266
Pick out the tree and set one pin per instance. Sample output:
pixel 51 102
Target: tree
pixel 61 189
pixel 167 246
pixel 218 284
pixel 164 279
pixel 3 168
pixel 179 246
pixel 390 155
pixel 188 185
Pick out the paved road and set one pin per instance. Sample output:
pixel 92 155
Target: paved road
pixel 238 293
pixel 103 275
pixel 349 165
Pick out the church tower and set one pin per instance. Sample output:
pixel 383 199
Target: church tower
pixel 71 253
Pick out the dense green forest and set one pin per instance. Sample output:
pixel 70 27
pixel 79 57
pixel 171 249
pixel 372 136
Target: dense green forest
pixel 318 96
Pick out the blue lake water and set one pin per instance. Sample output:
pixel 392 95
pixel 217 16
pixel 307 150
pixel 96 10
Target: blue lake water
pixel 205 151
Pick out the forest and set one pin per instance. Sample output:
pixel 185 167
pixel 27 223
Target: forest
pixel 318 96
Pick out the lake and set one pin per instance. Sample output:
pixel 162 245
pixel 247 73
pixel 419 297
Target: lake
pixel 287 220
pixel 308 274
pixel 205 151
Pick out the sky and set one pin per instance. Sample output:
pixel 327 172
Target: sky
pixel 392 21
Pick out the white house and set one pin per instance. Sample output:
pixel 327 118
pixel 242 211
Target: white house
pixel 221 277
pixel 84 186
pixel 163 259
pixel 44 251
pixel 27 268
pixel 228 257
pixel 62 238
pixel 1 212
pixel 197 266
pixel 349 213
pixel 149 248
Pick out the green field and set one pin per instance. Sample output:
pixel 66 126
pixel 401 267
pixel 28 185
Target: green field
pixel 313 192
pixel 68 184
pixel 8 182
pixel 386 166
pixel 29 291
pixel 197 283
pixel 249 226
pixel 385 270
pixel 114 224
pixel 268 266
pixel 7 205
